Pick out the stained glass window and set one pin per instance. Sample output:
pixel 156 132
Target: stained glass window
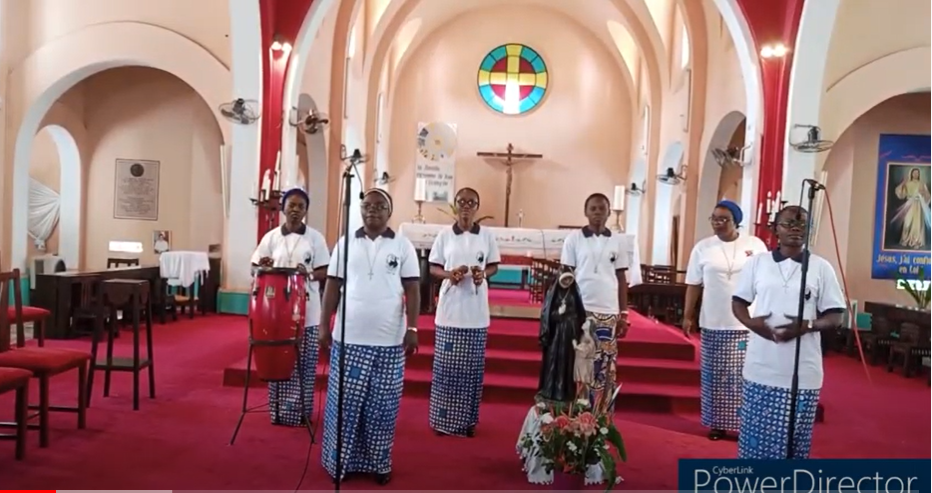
pixel 512 79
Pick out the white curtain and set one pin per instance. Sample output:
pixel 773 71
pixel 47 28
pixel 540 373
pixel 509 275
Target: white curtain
pixel 44 207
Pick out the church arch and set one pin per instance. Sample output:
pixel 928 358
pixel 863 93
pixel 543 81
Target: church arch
pixel 806 90
pixel 711 172
pixel 69 191
pixel 868 86
pixel 36 84
pixel 663 206
pixel 316 179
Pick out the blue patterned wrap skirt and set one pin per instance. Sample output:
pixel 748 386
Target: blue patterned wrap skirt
pixel 765 416
pixel 291 401
pixel 372 398
pixel 606 357
pixel 721 365
pixel 456 384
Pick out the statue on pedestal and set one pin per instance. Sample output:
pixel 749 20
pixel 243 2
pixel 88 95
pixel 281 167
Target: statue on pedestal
pixel 561 326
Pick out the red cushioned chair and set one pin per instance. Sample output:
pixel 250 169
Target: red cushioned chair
pixel 14 379
pixel 44 363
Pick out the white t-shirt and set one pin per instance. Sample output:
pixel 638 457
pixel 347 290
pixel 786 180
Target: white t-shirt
pixel 373 291
pixel 596 258
pixel 771 282
pixel 715 265
pixel 464 305
pixel 305 246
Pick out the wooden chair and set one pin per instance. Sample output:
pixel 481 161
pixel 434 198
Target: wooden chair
pixel 44 363
pixel 877 342
pixel 909 348
pixel 17 380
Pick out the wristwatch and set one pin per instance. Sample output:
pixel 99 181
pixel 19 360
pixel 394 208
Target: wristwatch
pixel 413 329
pixel 810 326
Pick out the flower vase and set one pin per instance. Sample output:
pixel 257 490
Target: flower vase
pixel 565 481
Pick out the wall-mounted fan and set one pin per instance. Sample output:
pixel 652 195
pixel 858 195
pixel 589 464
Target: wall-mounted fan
pixel 813 142
pixel 311 121
pixel 672 177
pixel 730 156
pixel 636 190
pixel 241 111
pixel 384 179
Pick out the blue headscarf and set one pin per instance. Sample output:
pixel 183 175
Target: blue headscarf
pixel 296 191
pixel 733 208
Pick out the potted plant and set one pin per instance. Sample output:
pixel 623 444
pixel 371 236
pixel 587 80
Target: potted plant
pixel 920 297
pixel 573 437
pixel 452 213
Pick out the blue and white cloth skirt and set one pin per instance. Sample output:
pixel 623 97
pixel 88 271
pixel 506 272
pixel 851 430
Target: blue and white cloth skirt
pixel 291 401
pixel 456 385
pixel 765 417
pixel 373 384
pixel 721 366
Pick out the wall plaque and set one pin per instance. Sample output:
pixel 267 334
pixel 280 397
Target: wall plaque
pixel 136 190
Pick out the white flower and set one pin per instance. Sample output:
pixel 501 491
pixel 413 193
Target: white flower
pixel 571 446
pixel 605 446
pixel 583 402
pixel 603 430
pixel 546 418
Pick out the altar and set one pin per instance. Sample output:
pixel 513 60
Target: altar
pixel 523 243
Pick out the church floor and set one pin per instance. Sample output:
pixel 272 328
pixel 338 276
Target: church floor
pixel 180 440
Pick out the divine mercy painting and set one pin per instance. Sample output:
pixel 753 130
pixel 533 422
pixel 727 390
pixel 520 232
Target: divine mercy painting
pixel 907 210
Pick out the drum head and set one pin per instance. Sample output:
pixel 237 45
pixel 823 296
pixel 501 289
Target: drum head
pixel 281 271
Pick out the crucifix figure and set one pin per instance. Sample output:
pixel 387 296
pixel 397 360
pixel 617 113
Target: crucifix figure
pixel 509 160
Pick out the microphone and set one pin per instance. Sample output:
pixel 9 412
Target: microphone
pixel 814 185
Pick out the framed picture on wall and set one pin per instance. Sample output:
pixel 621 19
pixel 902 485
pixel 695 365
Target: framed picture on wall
pixel 161 241
pixel 136 190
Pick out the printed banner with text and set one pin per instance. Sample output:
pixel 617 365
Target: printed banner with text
pixel 901 211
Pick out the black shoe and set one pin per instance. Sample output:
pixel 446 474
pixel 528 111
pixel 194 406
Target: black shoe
pixel 471 431
pixel 716 435
pixel 383 478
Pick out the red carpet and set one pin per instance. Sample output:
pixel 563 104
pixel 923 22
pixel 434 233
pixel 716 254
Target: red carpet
pixel 179 440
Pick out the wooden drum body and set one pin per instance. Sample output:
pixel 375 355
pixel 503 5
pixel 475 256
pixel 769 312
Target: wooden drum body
pixel 276 321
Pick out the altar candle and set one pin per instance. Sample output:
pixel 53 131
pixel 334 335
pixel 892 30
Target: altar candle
pixel 619 203
pixel 420 190
pixel 769 203
pixel 266 183
pixel 778 203
pixel 760 211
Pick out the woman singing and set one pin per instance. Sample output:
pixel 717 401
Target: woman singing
pixel 599 260
pixel 771 281
pixel 712 274
pixel 464 256
pixel 380 287
pixel 294 244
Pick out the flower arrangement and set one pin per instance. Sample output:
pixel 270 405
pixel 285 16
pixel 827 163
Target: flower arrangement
pixel 452 213
pixel 575 436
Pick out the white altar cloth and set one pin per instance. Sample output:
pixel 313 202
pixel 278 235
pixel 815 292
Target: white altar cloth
pixel 183 268
pixel 539 243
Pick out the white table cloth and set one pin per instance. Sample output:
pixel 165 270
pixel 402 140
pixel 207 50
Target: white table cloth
pixel 183 268
pixel 539 243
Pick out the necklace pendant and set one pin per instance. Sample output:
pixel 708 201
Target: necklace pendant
pixel 728 275
pixel 562 309
pixel 370 275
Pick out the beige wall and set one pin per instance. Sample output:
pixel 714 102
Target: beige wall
pixel 852 181
pixel 582 128
pixel 140 113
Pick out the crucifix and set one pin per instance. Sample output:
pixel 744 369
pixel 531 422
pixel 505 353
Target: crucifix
pixel 509 160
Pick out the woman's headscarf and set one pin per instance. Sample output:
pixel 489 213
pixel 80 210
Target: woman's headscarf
pixel 733 208
pixel 296 191
pixel 383 193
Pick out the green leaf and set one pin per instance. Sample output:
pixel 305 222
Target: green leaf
pixel 614 437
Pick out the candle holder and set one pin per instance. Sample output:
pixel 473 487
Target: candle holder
pixel 419 218
pixel 618 227
pixel 271 202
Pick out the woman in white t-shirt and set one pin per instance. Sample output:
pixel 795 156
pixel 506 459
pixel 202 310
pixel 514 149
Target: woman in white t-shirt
pixel 294 244
pixel 712 274
pixel 464 256
pixel 771 281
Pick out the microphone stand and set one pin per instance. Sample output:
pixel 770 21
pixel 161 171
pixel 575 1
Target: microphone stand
pixel 794 388
pixel 348 174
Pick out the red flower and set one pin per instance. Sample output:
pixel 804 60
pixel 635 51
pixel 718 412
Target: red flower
pixel 587 424
pixel 561 422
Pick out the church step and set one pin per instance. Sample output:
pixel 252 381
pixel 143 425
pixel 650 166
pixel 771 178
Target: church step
pixel 527 363
pixel 522 336
pixel 518 389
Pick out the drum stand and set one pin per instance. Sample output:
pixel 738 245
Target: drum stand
pixel 305 413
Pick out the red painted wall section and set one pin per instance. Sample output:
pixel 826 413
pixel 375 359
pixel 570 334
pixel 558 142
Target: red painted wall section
pixel 281 20
pixel 770 22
